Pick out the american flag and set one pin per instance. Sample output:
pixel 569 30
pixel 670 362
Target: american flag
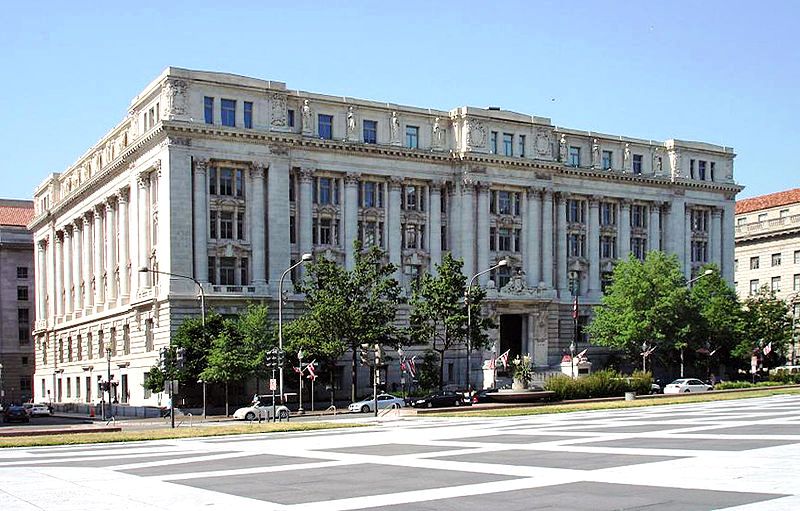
pixel 412 368
pixel 297 370
pixel 575 308
pixel 492 363
pixel 582 353
pixel 311 374
pixel 503 359
pixel 768 349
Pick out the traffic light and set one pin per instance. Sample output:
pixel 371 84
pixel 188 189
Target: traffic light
pixel 378 355
pixel 364 354
pixel 162 359
pixel 180 357
pixel 272 357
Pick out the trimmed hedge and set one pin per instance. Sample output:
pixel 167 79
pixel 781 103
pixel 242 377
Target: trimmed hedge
pixel 606 383
pixel 727 385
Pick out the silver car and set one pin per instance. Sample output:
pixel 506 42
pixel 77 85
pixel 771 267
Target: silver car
pixel 384 401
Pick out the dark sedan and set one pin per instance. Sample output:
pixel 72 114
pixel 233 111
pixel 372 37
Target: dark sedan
pixel 444 398
pixel 483 396
pixel 15 414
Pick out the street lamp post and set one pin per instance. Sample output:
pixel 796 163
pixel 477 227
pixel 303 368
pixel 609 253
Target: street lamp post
pixel 145 269
pixel 300 391
pixel 689 285
pixel 501 263
pixel 108 382
pixel 304 258
pixel 792 299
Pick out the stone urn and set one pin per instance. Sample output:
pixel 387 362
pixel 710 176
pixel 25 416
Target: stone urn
pixel 518 384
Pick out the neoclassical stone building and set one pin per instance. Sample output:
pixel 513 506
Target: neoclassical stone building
pixel 229 179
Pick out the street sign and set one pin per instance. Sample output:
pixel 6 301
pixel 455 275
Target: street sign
pixel 170 387
pixel 273 384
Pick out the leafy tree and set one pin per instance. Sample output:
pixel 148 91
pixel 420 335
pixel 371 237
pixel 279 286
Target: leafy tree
pixel 765 319
pixel 439 314
pixel 349 307
pixel 647 303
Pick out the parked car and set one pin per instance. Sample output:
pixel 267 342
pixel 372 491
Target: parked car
pixel 687 385
pixel 483 396
pixel 655 388
pixel 443 398
pixel 38 409
pixel 260 408
pixel 15 413
pixel 384 401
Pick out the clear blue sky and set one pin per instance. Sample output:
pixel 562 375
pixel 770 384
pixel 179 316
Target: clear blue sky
pixel 724 72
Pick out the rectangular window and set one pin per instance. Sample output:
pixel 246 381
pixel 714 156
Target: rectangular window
pixel 239 183
pixel 69 387
pixel 290 118
pixel 212 181
pixel 797 257
pixel 228 112
pixel 89 346
pixel 325 231
pixel 292 229
pixel 412 137
pixel 212 270
pixel 607 155
pixel 370 132
pixel 24 323
pixel 504 202
pixel 711 171
pixel 212 224
pixel 639 216
pixel 783 213
pixel 639 247
pixel 325 126
pixel 493 143
pixel 504 240
pixel 607 247
pixel 796 282
pixel 575 156
pixel 575 211
pixel 126 339
pixel 691 169
pixel 699 252
pixel 244 272
pixel 492 238
pixel 78 387
pixel 248 114
pixel 575 244
pixel 226 225
pixel 776 284
pixel 776 259
pixel 508 144
pixel 701 170
pixel 123 384
pixel 208 104
pixel 240 225
pixel 22 293
pixel 608 215
pixel 227 271
pixel 226 181
pixel 517 240
pixel 22 272
pixel 637 163
pixel 324 190
pixel 762 217
pixel 754 263
pixel 521 146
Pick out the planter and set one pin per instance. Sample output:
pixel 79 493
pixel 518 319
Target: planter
pixel 519 385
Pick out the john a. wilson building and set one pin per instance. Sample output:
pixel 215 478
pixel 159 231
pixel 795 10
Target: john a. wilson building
pixel 229 179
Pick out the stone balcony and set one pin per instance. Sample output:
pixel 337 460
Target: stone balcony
pixel 770 227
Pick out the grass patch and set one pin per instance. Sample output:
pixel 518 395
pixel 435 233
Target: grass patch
pixel 166 433
pixel 611 405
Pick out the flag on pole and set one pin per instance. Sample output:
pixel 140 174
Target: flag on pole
pixel 297 370
pixel 582 353
pixel 492 363
pixel 711 354
pixel 412 368
pixel 768 349
pixel 575 308
pixel 503 359
pixel 312 375
pixel 648 352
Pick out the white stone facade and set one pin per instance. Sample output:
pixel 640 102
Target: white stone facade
pixel 229 179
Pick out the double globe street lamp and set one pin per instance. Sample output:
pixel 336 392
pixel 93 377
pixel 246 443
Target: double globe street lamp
pixel 303 259
pixel 500 264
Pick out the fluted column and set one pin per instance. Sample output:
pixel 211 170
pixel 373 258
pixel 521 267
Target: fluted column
pixel 467 226
pixel 483 231
pixel 111 253
pixel 393 225
pixel 200 217
pixel 50 264
pixel 257 228
pixel 123 257
pixel 97 263
pixel 547 239
pixel 715 251
pixel 593 246
pixel 77 251
pixel 654 241
pixel 42 278
pixel 280 254
pixel 67 271
pixel 304 223
pixel 143 217
pixel 59 280
pixel 350 208
pixel 624 230
pixel 687 243
pixel 533 228
pixel 435 216
pixel 86 270
pixel 561 245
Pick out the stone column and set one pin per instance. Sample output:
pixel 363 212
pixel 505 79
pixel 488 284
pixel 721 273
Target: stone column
pixel 687 243
pixel 111 253
pixel 533 230
pixel 547 239
pixel 676 228
pixel 393 225
pixel 304 211
pixel 715 239
pixel 77 251
pixel 143 215
pixel 86 270
pixel 454 220
pixel 483 232
pixel 257 228
pixel 655 226
pixel 624 230
pixel 467 227
pixel 58 297
pixel 727 241
pixel 97 263
pixel 593 246
pixel 123 256
pixel 200 213
pixel 350 220
pixel 435 217
pixel 561 244
pixel 67 271
pixel 42 278
pixel 50 263
pixel 280 254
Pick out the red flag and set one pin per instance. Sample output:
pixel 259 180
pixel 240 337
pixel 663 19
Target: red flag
pixel 503 359
pixel 575 308
pixel 768 349
pixel 492 363
pixel 297 370
pixel 311 374
pixel 582 353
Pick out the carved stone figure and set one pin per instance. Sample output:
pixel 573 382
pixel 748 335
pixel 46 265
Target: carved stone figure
pixel 279 111
pixel 544 149
pixel 675 163
pixel 175 95
pixel 351 123
pixel 595 154
pixel 476 133
pixel 562 149
pixel 438 134
pixel 306 114
pixel 394 129
pixel 626 158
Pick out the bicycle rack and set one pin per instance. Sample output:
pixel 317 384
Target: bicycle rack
pixel 331 408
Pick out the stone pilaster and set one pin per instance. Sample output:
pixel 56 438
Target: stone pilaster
pixel 42 278
pixel 624 230
pixel 77 264
pixel 68 293
pixel 687 242
pixel 278 214
pixel 483 231
pixel 393 225
pixel 548 255
pixel 257 227
pixel 200 213
pixel 304 211
pixel 435 217
pixel 97 263
pixel 654 241
pixel 143 214
pixel 123 257
pixel 86 264
pixel 350 209
pixel 58 295
pixel 593 246
pixel 111 253
pixel 468 227
pixel 561 246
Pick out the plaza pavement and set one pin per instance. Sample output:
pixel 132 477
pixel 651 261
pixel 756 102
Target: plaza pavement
pixel 737 455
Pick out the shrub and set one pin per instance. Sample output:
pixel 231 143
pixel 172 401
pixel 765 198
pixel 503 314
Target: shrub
pixel 606 383
pixel 745 384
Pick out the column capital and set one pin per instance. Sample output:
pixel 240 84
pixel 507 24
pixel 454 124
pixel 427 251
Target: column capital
pixel 257 170
pixel 306 174
pixel 201 165
pixel 42 243
pixel 469 184
pixel 395 182
pixel 594 201
pixel 625 203
pixel 156 167
pixel 436 185
pixel 122 194
pixel 716 212
pixel 483 186
pixel 655 206
pixel 533 192
pixel 143 180
pixel 351 178
pixel 109 203
pixel 98 211
pixel 65 231
pixel 77 223
pixel 560 197
pixel 58 239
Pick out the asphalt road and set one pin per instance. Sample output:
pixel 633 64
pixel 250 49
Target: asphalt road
pixel 734 455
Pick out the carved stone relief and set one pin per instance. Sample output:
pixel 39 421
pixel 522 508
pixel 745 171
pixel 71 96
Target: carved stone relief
pixel 175 103
pixel 279 111
pixel 476 133
pixel 544 149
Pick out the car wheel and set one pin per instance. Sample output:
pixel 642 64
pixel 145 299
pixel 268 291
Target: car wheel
pixel 249 416
pixel 430 405
pixel 283 414
pixel 457 403
pixel 365 409
pixel 687 390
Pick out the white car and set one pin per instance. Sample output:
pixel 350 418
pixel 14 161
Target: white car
pixel 39 409
pixel 384 401
pixel 687 385
pixel 260 411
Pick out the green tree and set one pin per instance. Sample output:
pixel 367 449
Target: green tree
pixel 765 320
pixel 349 307
pixel 439 314
pixel 647 303
pixel 719 328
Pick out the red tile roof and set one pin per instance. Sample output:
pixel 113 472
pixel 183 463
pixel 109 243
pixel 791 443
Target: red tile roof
pixel 771 200
pixel 16 215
